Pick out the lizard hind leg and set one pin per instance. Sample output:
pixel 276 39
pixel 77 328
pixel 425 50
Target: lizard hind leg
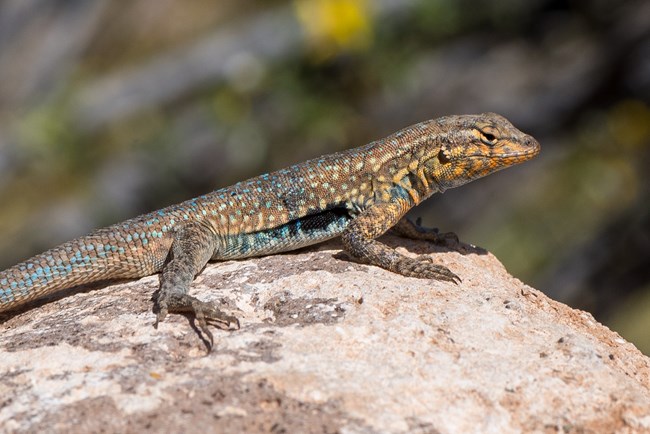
pixel 191 249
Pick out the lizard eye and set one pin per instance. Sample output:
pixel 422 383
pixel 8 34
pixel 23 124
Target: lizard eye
pixel 488 138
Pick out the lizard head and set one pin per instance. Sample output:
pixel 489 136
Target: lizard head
pixel 472 146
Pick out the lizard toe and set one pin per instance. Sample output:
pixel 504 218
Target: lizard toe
pixel 424 268
pixel 204 313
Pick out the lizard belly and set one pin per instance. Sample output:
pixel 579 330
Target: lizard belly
pixel 302 232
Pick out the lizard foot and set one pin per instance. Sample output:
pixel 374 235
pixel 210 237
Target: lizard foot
pixel 416 231
pixel 424 268
pixel 205 314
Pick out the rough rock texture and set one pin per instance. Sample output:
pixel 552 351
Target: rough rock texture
pixel 326 345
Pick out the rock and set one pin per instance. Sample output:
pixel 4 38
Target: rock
pixel 326 345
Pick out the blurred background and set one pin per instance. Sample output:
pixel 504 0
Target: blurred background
pixel 112 109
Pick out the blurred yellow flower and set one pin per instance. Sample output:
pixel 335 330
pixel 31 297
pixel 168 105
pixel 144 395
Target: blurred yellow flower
pixel 334 26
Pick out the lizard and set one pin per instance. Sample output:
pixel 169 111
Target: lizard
pixel 357 194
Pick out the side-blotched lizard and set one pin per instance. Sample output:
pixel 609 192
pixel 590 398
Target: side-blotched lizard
pixel 357 194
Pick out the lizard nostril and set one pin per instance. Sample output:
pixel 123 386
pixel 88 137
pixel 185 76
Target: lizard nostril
pixel 530 142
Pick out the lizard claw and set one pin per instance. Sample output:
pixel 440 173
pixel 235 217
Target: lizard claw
pixel 160 316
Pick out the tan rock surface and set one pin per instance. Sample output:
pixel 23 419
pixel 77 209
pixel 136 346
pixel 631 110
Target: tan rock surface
pixel 326 345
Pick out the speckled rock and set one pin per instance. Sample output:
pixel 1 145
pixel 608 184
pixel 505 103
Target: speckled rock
pixel 326 345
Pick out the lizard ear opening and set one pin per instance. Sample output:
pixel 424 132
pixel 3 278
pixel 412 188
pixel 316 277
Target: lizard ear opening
pixel 443 156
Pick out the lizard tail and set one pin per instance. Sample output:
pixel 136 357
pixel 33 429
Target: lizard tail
pixel 85 260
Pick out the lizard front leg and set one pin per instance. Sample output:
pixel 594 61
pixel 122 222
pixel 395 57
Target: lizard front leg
pixel 192 247
pixel 359 240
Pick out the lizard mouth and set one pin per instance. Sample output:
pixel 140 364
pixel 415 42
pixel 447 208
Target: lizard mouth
pixel 501 161
pixel 532 148
pixel 525 155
